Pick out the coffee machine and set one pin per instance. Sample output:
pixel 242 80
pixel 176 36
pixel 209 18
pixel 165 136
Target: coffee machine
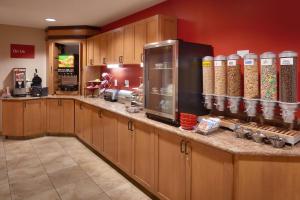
pixel 19 78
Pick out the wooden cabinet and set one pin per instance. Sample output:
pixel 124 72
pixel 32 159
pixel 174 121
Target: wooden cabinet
pixel 125 136
pixel 109 48
pixel 60 116
pixel 23 118
pixel 110 128
pixel 94 57
pixel 87 123
pixel 103 48
pixel 143 154
pixel 209 173
pixel 97 130
pixel 12 118
pixel 33 119
pixel 128 48
pixel 140 37
pixel 90 51
pixel 117 41
pixel 170 167
pixel 78 119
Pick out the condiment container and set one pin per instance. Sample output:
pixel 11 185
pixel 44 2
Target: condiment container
pixel 208 75
pixel 288 77
pixel 233 76
pixel 268 81
pixel 220 75
pixel 251 82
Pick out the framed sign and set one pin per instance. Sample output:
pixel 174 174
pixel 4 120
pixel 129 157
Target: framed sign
pixel 21 51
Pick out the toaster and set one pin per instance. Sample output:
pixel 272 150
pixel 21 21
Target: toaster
pixel 111 95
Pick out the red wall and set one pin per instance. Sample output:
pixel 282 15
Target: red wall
pixel 231 25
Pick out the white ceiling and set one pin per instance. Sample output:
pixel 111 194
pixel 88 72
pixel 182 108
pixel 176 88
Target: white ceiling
pixel 31 13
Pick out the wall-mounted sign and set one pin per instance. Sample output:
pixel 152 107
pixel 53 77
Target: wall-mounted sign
pixel 21 51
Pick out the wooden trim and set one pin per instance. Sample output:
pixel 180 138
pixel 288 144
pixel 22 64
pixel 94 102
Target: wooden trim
pixel 58 37
pixel 72 27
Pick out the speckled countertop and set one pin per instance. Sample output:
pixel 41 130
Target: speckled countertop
pixel 222 139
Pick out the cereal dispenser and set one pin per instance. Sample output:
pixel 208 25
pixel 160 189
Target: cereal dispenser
pixel 208 80
pixel 220 81
pixel 251 84
pixel 288 85
pixel 233 82
pixel 268 84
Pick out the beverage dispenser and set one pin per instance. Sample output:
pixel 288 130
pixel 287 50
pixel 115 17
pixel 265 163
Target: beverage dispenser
pixel 220 81
pixel 19 78
pixel 208 80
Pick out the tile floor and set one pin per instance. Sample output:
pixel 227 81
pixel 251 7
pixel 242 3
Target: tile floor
pixel 51 168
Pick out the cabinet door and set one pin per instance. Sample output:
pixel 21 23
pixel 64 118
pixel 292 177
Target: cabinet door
pixel 78 119
pixel 109 51
pixel 90 51
pixel 170 166
pixel 67 116
pixel 209 173
pixel 97 130
pixel 53 116
pixel 143 154
pixel 118 45
pixel 152 29
pixel 103 48
pixel 139 41
pixel 128 52
pixel 167 28
pixel 96 50
pixel 12 118
pixel 110 127
pixel 87 124
pixel 32 117
pixel 125 144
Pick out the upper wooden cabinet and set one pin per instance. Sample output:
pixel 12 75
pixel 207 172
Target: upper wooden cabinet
pixel 125 44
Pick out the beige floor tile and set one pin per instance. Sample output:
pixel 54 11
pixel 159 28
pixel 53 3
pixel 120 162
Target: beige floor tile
pixel 30 187
pixel 67 176
pixel 84 157
pixel 19 162
pixel 82 189
pixel 46 195
pixel 59 163
pixel 109 180
pixel 94 169
pixel 5 192
pixel 3 176
pixel 25 173
pixel 128 192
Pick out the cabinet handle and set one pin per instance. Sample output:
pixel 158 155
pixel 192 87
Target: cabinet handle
pixel 142 57
pixel 186 151
pixel 99 114
pixel 120 59
pixel 132 126
pixel 24 104
pixel 128 125
pixel 182 146
pixel 80 106
pixel 104 61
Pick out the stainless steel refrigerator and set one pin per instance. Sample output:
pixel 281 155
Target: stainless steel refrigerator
pixel 173 79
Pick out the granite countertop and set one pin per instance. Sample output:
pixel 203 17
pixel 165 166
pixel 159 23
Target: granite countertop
pixel 222 139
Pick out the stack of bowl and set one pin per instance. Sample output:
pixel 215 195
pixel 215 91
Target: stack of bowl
pixel 188 121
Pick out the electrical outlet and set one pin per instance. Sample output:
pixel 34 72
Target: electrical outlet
pixel 116 82
pixel 126 83
pixel 242 53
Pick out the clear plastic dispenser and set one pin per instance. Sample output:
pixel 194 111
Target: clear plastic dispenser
pixel 220 82
pixel 288 85
pixel 208 80
pixel 233 82
pixel 268 84
pixel 251 84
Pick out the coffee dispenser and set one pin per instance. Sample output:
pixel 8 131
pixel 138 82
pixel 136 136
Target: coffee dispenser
pixel 19 78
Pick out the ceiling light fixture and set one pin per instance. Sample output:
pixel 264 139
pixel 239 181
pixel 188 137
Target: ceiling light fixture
pixel 50 20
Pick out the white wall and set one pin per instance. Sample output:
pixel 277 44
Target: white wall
pixel 21 35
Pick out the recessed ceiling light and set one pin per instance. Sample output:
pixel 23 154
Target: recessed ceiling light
pixel 50 20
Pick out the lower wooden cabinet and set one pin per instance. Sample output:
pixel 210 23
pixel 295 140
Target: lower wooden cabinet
pixel 60 116
pixel 125 136
pixel 170 167
pixel 78 119
pixel 24 117
pixel 110 128
pixel 87 124
pixel 97 130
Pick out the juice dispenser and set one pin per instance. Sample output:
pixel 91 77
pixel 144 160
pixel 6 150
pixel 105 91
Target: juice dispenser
pixel 19 78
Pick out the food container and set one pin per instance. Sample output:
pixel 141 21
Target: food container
pixel 220 75
pixel 208 75
pixel 233 76
pixel 188 121
pixel 258 137
pixel 268 81
pixel 288 77
pixel 277 141
pixel 251 84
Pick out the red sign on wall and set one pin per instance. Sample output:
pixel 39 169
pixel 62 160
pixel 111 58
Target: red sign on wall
pixel 21 51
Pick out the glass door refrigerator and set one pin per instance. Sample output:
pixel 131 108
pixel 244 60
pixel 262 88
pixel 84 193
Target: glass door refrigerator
pixel 173 79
